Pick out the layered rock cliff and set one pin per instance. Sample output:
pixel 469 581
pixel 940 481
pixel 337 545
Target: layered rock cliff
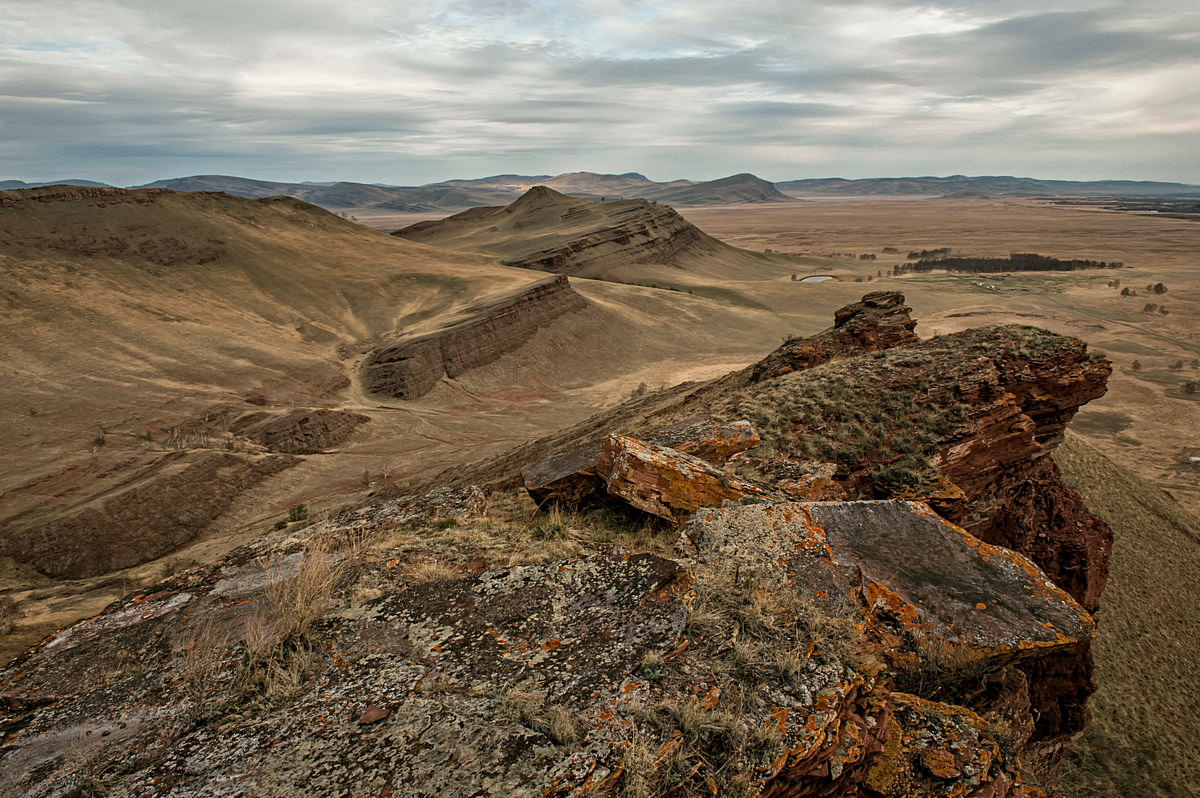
pixel 298 431
pixel 410 367
pixel 155 509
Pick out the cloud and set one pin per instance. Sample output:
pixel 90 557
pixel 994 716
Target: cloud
pixel 132 90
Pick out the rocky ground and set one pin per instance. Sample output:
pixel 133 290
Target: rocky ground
pixel 765 585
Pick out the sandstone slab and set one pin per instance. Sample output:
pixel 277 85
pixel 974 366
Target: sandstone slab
pixel 568 478
pixel 929 595
pixel 665 482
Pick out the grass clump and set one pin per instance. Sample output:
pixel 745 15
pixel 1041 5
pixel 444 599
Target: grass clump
pixel 279 654
pixel 751 638
pixel 527 705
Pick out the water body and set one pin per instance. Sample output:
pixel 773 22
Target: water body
pixel 816 278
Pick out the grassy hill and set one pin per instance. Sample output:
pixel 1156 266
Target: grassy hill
pixel 1146 713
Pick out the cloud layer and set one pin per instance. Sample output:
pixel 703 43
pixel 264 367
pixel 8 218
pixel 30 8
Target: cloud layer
pixel 127 91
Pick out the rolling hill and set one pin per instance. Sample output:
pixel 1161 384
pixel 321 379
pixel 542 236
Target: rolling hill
pixel 184 366
pixel 455 195
pixel 623 240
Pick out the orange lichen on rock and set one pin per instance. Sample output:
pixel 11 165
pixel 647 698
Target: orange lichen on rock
pixel 916 579
pixel 665 482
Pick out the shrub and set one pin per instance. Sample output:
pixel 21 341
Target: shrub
pixel 297 512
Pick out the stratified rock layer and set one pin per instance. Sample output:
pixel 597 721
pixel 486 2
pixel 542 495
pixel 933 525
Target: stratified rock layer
pixel 298 431
pixel 529 233
pixel 880 320
pixel 173 500
pixel 411 367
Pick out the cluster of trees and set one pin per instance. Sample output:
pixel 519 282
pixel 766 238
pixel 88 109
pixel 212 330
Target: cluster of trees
pixel 1017 262
pixel 929 254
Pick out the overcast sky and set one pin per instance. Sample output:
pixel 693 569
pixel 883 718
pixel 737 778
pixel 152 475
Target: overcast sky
pixel 128 91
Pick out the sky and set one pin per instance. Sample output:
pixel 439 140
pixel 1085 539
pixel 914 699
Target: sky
pixel 416 91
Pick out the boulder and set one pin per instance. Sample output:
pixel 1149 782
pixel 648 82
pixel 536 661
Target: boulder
pixel 935 601
pixel 665 482
pixel 568 478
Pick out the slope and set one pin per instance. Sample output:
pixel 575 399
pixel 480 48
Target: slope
pixel 183 367
pixel 1144 715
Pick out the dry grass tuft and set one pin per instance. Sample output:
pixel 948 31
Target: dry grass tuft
pixel 434 571
pixel 278 652
pixel 528 706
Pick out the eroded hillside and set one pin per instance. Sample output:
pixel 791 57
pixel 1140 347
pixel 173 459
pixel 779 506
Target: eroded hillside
pixel 753 596
pixel 617 240
pixel 184 368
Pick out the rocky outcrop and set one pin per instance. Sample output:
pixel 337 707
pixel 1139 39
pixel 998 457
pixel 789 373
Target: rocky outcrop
pixel 410 367
pixel 963 422
pixel 757 662
pixel 570 477
pixel 665 482
pixel 298 431
pixel 880 320
pixel 152 514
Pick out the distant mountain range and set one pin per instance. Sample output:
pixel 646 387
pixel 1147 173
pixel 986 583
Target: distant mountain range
pixel 451 195
pixel 6 185
pixel 498 190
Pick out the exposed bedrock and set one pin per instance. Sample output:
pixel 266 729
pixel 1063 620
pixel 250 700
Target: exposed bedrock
pixel 410 367
pixel 154 512
pixel 758 662
pixel 298 431
pixel 880 320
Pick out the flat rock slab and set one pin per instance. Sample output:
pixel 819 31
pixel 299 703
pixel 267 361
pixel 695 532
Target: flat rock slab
pixel 444 688
pixel 929 593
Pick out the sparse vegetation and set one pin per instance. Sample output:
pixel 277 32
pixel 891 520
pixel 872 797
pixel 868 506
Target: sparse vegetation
pixel 7 611
pixel 816 415
pixel 278 655
pixel 755 635
pixel 528 705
